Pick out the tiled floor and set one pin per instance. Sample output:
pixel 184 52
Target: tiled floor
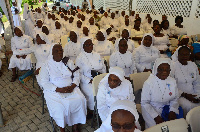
pixel 22 109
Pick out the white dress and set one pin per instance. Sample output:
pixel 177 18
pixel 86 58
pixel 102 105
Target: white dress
pixel 135 33
pixel 107 96
pixel 178 31
pixel 93 30
pixel 36 30
pixel 16 17
pixel 188 81
pixel 72 50
pixel 21 46
pixel 104 48
pixel 29 24
pixel 65 108
pixel 157 93
pixel 166 32
pixel 58 33
pixel 161 44
pixel 145 57
pixel 124 61
pixel 148 28
pixel 131 45
pixel 87 62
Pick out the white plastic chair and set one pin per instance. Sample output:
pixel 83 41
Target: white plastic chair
pixel 193 119
pixel 95 84
pixel 178 125
pixel 64 40
pixel 138 80
pixel 174 42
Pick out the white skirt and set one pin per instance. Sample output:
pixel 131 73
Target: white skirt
pixel 20 63
pixel 71 110
pixel 17 20
pixel 88 92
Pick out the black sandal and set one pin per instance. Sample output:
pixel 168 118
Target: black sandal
pixel 13 78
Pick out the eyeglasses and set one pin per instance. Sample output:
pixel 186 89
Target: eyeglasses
pixel 125 126
pixel 87 45
pixel 162 70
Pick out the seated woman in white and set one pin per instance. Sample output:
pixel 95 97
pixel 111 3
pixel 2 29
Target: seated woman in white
pixel 58 32
pixel 125 26
pixel 111 35
pixel 103 46
pixel 47 20
pixel 188 80
pixel 65 102
pixel 29 23
pixel 86 32
pixel 159 99
pixel 123 58
pixel 161 41
pixel 49 38
pixel 178 29
pixel 111 88
pixel 122 116
pixel 125 35
pixel 137 32
pixel 147 27
pixel 73 48
pixel 165 28
pixel 146 54
pixel 41 51
pixel 93 28
pixel 90 64
pixel 21 47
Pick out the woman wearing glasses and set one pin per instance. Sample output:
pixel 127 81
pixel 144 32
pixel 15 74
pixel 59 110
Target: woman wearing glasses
pixel 159 99
pixel 122 117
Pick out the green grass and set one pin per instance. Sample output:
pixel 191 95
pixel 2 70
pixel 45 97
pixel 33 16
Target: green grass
pixel 4 19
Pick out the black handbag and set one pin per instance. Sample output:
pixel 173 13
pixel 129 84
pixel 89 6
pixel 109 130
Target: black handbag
pixel 94 73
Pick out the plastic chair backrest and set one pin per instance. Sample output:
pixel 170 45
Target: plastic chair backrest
pixel 198 37
pixel 64 40
pixel 33 58
pixel 174 42
pixel 95 82
pixel 139 79
pixel 178 125
pixel 193 118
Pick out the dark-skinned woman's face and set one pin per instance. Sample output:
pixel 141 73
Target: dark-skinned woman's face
pixel 49 16
pixel 57 24
pixel 163 71
pixel 112 15
pixel 125 34
pixel 45 30
pixel 122 121
pixel 123 46
pixel 137 24
pixel 126 21
pixel 157 29
pixel 100 36
pixel 91 21
pixel 53 17
pixel 164 17
pixel 39 40
pixel 65 18
pixel 108 31
pixel 39 23
pixel 71 19
pixel 147 41
pixel 73 36
pixel 85 31
pixel 18 32
pixel 113 81
pixel 57 53
pixel 79 24
pixel 166 25
pixel 88 46
pixel 184 41
pixel 183 56
pixel 82 17
pixel 178 22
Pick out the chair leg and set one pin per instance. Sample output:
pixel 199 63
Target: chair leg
pixel 42 103
pixel 51 120
pixel 97 115
pixel 33 80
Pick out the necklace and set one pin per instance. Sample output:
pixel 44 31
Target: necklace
pixel 163 93
pixel 123 60
pixel 89 61
pixel 184 74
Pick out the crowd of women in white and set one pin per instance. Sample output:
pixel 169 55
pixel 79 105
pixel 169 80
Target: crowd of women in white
pixel 60 70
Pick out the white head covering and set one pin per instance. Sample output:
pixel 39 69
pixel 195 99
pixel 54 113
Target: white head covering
pixel 147 34
pixel 120 104
pixel 25 13
pixel 158 62
pixel 119 72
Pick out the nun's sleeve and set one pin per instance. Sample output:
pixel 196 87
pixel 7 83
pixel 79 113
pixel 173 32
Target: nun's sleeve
pixel 84 78
pixel 196 83
pixel 103 110
pixel 146 99
pixel 45 80
pixel 76 79
pixel 137 57
pixel 112 60
pixel 174 103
